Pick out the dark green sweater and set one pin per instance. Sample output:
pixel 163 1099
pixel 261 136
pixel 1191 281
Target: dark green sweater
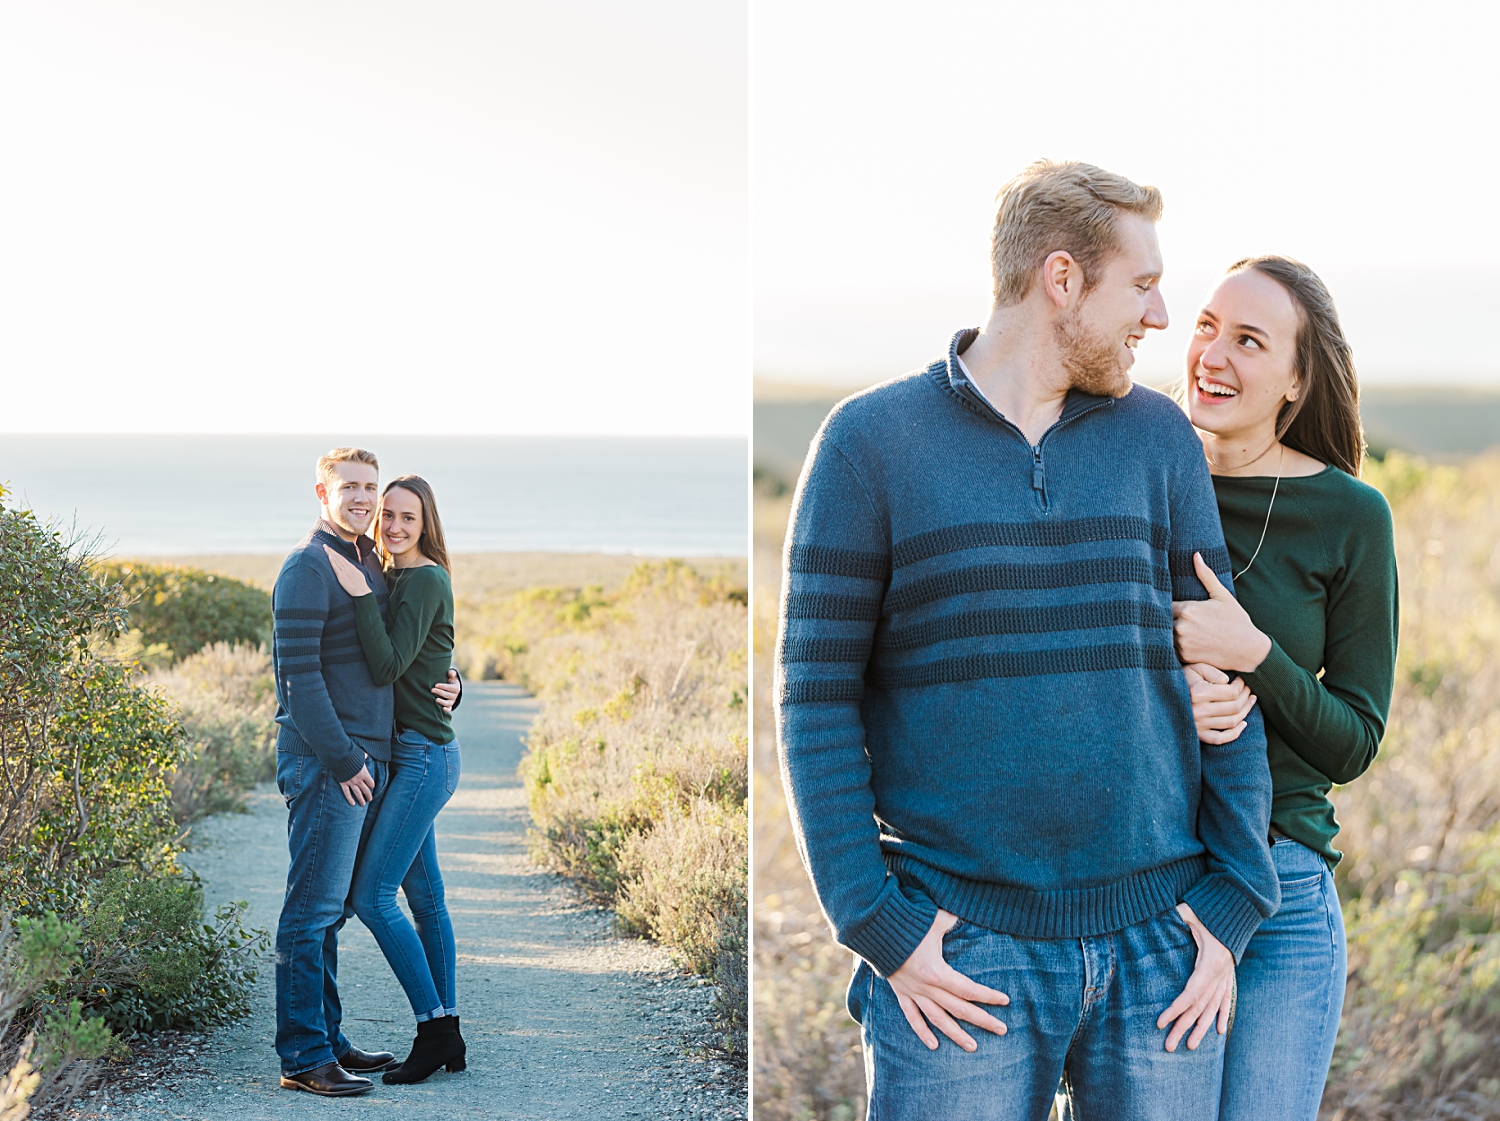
pixel 418 649
pixel 1324 589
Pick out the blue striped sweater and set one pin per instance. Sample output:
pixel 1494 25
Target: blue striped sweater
pixel 326 702
pixel 979 707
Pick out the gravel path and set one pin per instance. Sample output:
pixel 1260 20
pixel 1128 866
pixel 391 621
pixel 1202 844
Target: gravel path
pixel 562 1018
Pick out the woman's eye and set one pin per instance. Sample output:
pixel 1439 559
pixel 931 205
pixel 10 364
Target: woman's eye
pixel 1251 341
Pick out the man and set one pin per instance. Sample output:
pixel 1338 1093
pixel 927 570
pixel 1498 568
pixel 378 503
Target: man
pixel 332 747
pixel 986 736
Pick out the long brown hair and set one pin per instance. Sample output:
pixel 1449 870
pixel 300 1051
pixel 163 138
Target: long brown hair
pixel 431 543
pixel 1323 421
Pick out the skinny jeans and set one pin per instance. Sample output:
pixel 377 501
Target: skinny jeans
pixel 1291 994
pixel 400 850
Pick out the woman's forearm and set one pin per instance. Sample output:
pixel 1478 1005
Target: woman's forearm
pixel 1333 734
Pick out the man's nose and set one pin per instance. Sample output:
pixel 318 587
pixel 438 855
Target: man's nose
pixel 1156 311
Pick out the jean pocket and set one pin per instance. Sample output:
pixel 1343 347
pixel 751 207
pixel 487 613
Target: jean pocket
pixel 289 775
pixel 861 990
pixel 454 766
pixel 1302 885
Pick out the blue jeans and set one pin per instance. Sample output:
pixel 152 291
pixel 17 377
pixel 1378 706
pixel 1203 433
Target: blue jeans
pixel 1291 996
pixel 1082 1011
pixel 401 851
pixel 323 836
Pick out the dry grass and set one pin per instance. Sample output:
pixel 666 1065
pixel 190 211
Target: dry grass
pixel 1421 832
pixel 227 704
pixel 636 767
pixel 1421 877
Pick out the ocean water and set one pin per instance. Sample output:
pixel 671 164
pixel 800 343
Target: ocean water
pixel 184 494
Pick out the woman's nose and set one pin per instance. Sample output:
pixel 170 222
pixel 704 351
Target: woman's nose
pixel 1214 355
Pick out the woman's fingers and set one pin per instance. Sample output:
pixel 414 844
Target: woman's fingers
pixel 1235 707
pixel 1213 675
pixel 1223 691
pixel 1228 736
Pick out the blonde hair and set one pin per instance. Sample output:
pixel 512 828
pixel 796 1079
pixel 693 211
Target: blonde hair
pixel 326 474
pixel 1068 206
pixel 431 543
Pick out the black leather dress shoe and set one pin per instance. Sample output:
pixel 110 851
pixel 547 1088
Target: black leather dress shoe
pixel 330 1080
pixel 366 1062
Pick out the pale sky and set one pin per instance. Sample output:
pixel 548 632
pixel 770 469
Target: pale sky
pixel 325 215
pixel 1359 137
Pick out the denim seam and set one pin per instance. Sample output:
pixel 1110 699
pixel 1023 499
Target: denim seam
pixel 438 931
pixel 1328 992
pixel 409 809
pixel 302 906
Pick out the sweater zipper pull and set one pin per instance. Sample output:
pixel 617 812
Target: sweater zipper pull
pixel 1037 478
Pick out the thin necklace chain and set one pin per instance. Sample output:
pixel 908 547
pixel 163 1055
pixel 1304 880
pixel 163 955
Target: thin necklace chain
pixel 1275 487
pixel 1248 462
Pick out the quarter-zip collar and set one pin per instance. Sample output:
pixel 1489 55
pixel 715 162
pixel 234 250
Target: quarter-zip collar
pixel 958 383
pixel 356 550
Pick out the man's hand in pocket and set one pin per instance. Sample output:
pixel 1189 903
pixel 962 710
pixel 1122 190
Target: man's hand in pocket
pixel 928 988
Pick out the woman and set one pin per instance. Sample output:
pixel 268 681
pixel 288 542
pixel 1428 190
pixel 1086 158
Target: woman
pixel 401 846
pixel 1271 388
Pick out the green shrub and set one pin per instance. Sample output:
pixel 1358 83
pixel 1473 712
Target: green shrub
pixel 87 839
pixel 182 610
pixel 148 961
pixel 56 1058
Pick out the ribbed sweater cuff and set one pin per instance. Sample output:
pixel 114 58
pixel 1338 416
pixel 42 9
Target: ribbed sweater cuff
pixel 894 931
pixel 346 767
pixel 1223 907
pixel 1275 676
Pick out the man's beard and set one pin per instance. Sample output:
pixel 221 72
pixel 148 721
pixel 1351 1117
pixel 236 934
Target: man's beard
pixel 342 520
pixel 1091 359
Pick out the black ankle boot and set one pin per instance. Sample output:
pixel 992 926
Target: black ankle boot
pixel 437 1044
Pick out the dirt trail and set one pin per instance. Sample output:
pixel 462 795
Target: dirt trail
pixel 562 1019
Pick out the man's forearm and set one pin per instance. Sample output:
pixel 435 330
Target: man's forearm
pixel 1234 816
pixel 318 725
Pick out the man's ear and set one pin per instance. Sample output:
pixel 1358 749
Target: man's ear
pixel 1062 278
pixel 322 493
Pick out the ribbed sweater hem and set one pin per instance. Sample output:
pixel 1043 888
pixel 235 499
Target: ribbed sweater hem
pixel 1061 913
pixel 342 766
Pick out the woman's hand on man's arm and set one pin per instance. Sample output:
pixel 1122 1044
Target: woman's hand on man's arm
pixel 1220 706
pixel 1217 630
